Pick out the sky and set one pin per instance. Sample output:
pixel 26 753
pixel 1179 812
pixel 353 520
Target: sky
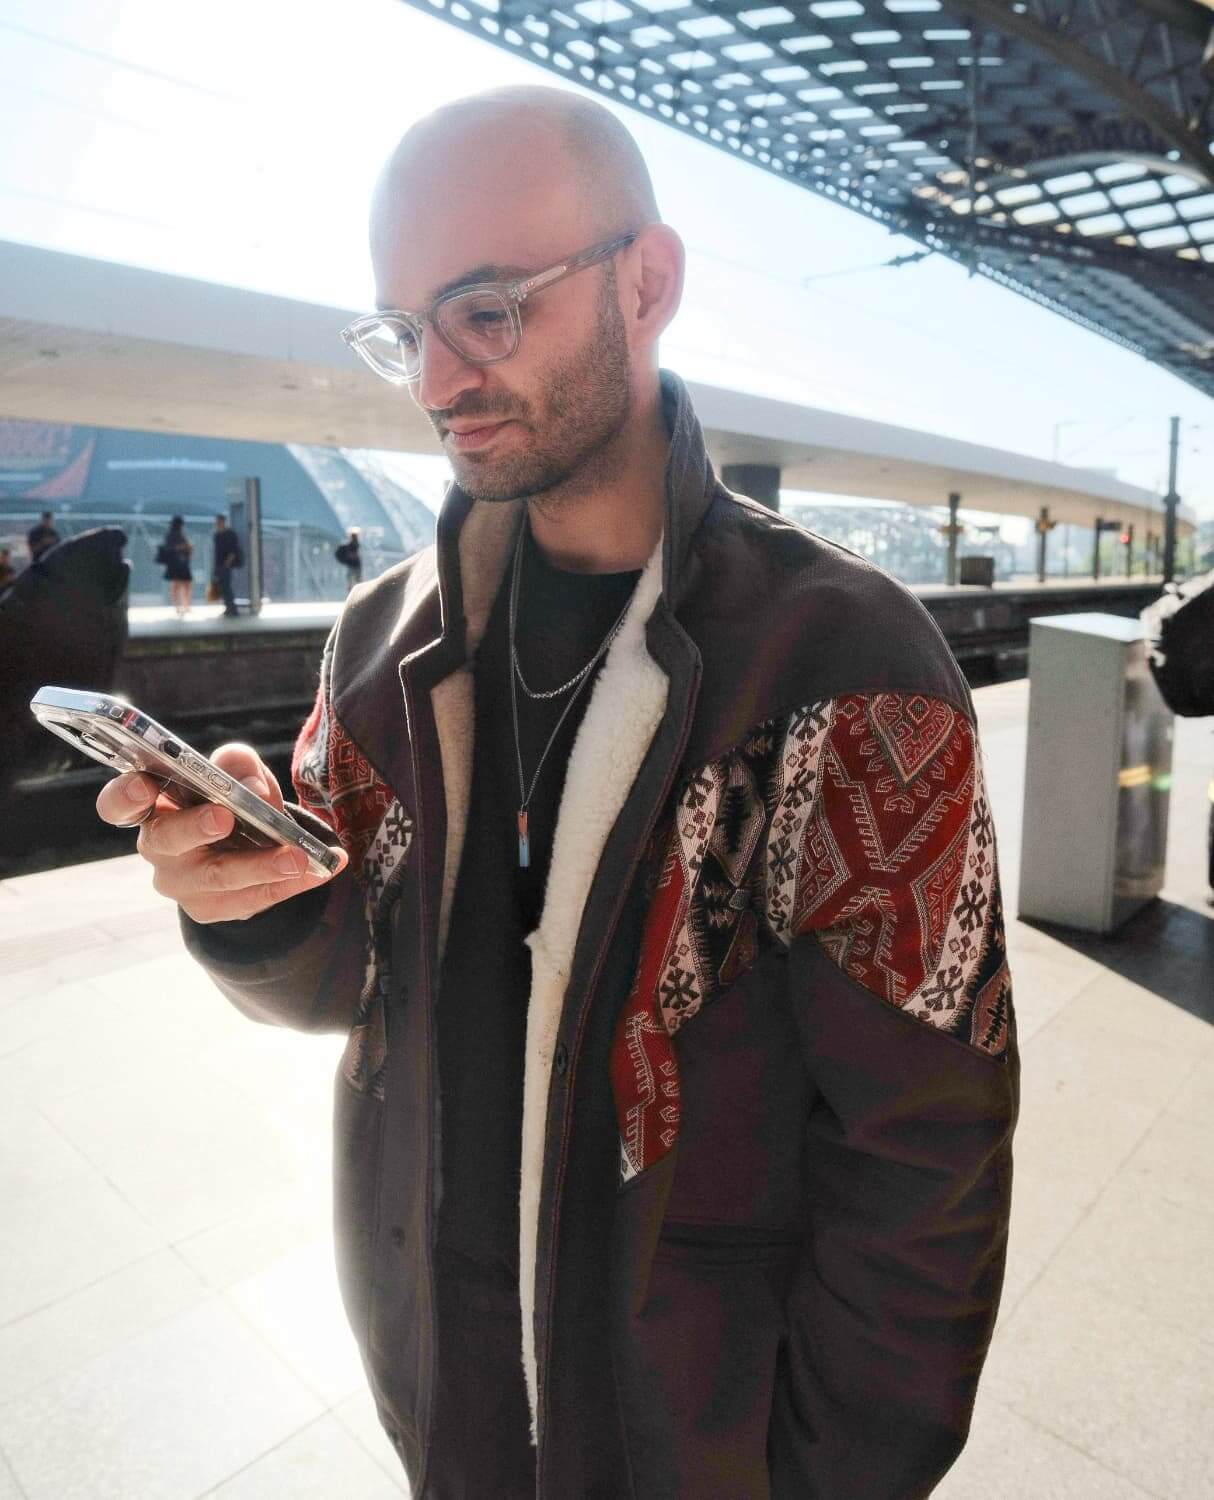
pixel 239 142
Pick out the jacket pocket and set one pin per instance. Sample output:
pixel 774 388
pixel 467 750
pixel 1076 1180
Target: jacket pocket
pixel 725 1245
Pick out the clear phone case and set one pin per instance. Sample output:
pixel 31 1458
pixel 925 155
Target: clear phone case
pixel 125 739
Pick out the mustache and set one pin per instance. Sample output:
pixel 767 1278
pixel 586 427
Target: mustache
pixel 469 409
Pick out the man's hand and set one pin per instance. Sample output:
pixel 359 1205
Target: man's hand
pixel 209 884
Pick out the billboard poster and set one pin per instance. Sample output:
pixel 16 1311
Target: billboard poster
pixel 44 460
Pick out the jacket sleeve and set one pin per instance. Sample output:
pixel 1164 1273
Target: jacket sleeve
pixel 304 963
pixel 884 886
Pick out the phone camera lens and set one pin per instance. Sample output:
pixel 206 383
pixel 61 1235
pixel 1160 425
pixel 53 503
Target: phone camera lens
pixel 171 747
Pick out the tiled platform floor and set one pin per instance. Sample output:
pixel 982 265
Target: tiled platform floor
pixel 169 1323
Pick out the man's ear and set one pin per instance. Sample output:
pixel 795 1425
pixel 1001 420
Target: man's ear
pixel 655 282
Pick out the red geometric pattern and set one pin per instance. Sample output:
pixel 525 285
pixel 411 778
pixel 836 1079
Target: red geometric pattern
pixel 897 871
pixel 861 822
pixel 335 781
pixel 644 1073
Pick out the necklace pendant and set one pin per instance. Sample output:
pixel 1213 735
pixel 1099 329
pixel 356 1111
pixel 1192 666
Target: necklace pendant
pixel 524 841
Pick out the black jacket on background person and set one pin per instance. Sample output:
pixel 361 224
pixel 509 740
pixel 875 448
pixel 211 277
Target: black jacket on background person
pixel 771 1072
pixel 40 539
pixel 226 551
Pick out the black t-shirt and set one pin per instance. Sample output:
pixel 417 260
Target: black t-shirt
pixel 486 978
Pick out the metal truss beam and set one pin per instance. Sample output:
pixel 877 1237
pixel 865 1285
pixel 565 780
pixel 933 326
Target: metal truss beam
pixel 1006 17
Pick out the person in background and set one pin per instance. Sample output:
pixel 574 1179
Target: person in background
pixel 7 571
pixel 227 558
pixel 43 537
pixel 349 554
pixel 174 552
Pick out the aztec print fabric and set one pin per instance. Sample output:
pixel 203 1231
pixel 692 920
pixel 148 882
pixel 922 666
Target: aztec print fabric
pixel 861 823
pixel 335 782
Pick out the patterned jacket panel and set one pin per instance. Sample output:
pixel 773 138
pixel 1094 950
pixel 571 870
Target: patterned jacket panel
pixel 335 782
pixel 860 823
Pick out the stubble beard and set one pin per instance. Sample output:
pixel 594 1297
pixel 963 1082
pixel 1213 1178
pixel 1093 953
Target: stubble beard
pixel 577 424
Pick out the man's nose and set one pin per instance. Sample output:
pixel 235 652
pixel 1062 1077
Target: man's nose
pixel 443 376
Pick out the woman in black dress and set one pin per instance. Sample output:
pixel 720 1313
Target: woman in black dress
pixel 175 553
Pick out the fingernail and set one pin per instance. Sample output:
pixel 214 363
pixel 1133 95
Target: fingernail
pixel 211 822
pixel 289 862
pixel 253 784
pixel 139 789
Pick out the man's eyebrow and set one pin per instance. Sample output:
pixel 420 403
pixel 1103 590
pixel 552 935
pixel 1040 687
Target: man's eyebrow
pixel 468 278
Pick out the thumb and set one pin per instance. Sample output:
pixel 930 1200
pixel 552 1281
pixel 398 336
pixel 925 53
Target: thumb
pixel 243 764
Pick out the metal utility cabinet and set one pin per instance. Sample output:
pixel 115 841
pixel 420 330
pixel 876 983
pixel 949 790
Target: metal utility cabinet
pixel 1097 774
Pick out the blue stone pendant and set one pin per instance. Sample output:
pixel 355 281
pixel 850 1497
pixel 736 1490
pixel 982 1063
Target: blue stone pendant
pixel 524 842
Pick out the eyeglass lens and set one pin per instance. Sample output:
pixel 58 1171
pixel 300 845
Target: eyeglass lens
pixel 477 324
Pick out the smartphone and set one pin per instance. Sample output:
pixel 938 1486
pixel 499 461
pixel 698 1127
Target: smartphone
pixel 123 738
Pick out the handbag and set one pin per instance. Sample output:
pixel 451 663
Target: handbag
pixel 214 593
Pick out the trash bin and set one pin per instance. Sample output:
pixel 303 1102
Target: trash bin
pixel 1097 774
pixel 977 571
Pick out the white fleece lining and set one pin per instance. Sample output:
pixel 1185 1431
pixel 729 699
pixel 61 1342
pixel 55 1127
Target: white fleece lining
pixel 621 719
pixel 453 704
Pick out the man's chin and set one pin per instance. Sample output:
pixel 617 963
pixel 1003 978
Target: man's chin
pixel 482 482
pixel 478 483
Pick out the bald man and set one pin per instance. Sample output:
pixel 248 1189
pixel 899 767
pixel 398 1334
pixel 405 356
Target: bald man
pixel 672 1129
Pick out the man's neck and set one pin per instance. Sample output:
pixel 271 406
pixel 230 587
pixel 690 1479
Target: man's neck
pixel 612 529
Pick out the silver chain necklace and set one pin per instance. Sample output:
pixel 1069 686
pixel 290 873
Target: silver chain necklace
pixel 526 792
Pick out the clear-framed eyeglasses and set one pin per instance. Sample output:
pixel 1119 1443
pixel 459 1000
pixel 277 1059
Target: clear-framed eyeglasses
pixel 480 323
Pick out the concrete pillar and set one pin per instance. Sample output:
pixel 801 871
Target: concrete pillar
pixel 760 481
pixel 953 531
pixel 1098 532
pixel 1129 550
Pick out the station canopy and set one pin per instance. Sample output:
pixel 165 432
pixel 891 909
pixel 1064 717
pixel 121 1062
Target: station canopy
pixel 1059 147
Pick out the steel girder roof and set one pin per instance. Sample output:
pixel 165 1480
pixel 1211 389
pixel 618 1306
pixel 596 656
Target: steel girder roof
pixel 1060 147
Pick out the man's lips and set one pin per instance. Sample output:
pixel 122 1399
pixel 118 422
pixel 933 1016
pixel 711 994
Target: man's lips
pixel 475 434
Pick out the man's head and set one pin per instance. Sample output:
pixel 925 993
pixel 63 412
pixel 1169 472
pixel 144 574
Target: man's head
pixel 221 523
pixel 47 517
pixel 499 186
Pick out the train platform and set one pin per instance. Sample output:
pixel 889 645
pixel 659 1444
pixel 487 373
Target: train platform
pixel 150 621
pixel 170 1327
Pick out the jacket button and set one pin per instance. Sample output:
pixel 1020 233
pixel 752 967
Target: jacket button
pixel 561 1059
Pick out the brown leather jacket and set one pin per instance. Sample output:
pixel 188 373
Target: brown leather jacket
pixel 771 1074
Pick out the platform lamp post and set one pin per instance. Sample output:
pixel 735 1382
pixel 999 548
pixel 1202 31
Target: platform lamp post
pixel 1170 502
pixel 1127 541
pixel 1044 527
pixel 952 530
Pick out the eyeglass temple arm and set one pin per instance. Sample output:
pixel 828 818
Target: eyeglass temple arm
pixel 574 263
